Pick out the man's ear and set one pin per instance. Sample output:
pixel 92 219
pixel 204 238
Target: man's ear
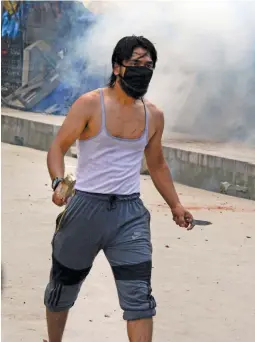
pixel 116 69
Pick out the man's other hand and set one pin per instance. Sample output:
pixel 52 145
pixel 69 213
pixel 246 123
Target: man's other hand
pixel 182 217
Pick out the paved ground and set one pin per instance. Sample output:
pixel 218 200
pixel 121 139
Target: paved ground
pixel 203 280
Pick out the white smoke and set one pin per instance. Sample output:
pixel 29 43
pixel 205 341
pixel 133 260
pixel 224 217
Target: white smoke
pixel 205 76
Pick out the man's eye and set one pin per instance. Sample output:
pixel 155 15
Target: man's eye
pixel 136 63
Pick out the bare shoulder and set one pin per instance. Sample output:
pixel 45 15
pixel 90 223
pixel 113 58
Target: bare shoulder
pixel 89 99
pixel 156 117
pixel 154 111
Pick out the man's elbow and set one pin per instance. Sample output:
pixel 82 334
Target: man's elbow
pixel 55 151
pixel 57 148
pixel 157 165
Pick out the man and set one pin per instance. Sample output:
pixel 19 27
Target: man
pixel 113 127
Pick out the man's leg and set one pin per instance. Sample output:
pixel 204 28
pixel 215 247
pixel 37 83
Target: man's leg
pixel 60 295
pixel 74 248
pixel 129 254
pixel 56 322
pixel 140 330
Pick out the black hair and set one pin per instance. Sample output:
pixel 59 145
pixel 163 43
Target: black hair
pixel 124 50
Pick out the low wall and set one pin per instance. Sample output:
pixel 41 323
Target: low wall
pixel 197 169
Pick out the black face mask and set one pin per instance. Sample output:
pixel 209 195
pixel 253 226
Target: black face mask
pixel 135 81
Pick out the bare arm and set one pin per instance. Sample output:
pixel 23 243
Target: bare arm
pixel 71 129
pixel 158 168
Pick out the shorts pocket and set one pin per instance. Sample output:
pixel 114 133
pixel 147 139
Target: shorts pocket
pixel 59 220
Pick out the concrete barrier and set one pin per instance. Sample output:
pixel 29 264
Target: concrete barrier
pixel 210 172
pixel 227 172
pixel 26 129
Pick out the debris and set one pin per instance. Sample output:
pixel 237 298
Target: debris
pixel 224 187
pixel 167 246
pixel 107 316
pixel 242 189
pixel 248 237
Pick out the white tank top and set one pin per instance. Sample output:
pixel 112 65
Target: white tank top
pixel 110 165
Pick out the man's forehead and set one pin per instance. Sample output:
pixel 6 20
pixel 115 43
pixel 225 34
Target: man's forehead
pixel 140 53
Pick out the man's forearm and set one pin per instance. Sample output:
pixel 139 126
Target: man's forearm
pixel 55 162
pixel 162 179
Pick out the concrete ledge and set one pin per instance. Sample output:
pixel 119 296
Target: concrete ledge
pixel 213 173
pixel 21 130
pixel 212 166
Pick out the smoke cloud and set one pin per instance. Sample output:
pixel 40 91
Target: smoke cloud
pixel 205 77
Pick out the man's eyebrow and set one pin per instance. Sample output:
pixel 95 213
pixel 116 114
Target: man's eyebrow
pixel 139 56
pixel 137 59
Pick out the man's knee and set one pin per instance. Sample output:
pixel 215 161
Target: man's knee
pixel 134 290
pixel 63 287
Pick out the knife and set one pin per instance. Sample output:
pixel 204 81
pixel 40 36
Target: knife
pixel 200 223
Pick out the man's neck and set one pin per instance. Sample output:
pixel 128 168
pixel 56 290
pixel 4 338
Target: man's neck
pixel 121 96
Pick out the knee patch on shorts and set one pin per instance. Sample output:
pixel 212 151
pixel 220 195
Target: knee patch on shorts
pixel 134 290
pixel 141 271
pixel 67 276
pixel 64 286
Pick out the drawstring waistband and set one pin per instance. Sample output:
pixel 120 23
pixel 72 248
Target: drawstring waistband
pixel 112 202
pixel 111 198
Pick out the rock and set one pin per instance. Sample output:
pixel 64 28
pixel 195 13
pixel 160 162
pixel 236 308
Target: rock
pixel 224 187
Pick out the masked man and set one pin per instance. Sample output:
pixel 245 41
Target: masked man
pixel 114 127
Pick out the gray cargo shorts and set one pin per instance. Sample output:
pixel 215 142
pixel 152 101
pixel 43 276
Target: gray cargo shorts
pixel 120 226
